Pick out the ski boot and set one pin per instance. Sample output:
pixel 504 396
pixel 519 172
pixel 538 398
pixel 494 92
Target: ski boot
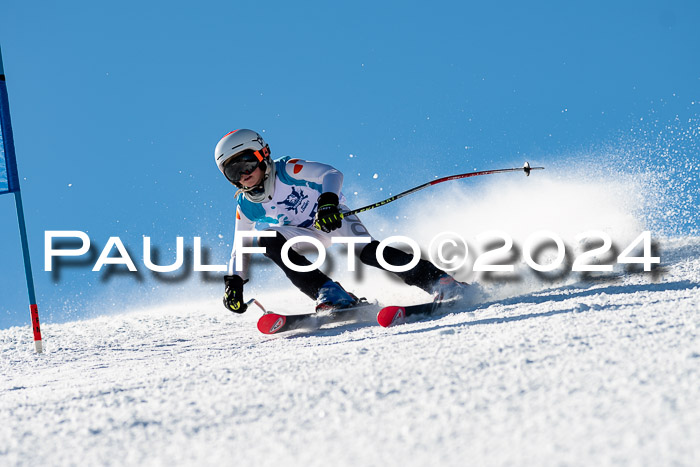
pixel 447 289
pixel 333 297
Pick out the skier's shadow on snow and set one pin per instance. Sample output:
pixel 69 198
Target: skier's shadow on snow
pixel 578 308
pixel 566 293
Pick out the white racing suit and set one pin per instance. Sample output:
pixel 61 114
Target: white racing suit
pixel 289 211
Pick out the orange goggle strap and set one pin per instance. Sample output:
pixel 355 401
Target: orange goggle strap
pixel 265 153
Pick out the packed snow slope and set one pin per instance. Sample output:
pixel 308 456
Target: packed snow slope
pixel 558 369
pixel 601 372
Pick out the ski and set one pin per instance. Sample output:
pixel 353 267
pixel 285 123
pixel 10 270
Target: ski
pixel 392 315
pixel 272 323
pixel 275 323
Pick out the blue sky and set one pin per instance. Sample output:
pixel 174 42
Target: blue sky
pixel 117 108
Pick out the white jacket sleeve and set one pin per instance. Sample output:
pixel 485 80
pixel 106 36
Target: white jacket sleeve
pixel 241 261
pixel 330 178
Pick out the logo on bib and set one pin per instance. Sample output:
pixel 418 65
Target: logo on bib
pixel 296 201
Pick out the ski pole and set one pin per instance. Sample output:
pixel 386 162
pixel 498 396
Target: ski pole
pixel 254 301
pixel 525 168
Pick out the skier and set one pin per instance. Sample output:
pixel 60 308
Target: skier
pixel 294 197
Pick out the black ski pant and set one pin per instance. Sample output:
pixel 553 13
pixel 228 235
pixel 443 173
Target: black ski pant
pixel 423 275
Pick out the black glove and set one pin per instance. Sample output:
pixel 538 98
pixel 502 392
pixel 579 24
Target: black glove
pixel 233 295
pixel 328 215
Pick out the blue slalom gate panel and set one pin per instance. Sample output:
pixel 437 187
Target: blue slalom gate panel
pixel 9 180
pixel 4 186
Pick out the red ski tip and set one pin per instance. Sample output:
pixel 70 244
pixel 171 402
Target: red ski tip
pixel 390 315
pixel 271 323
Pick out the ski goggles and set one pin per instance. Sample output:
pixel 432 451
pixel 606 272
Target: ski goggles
pixel 243 164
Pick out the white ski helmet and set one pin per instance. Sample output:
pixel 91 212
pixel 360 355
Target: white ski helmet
pixel 237 142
